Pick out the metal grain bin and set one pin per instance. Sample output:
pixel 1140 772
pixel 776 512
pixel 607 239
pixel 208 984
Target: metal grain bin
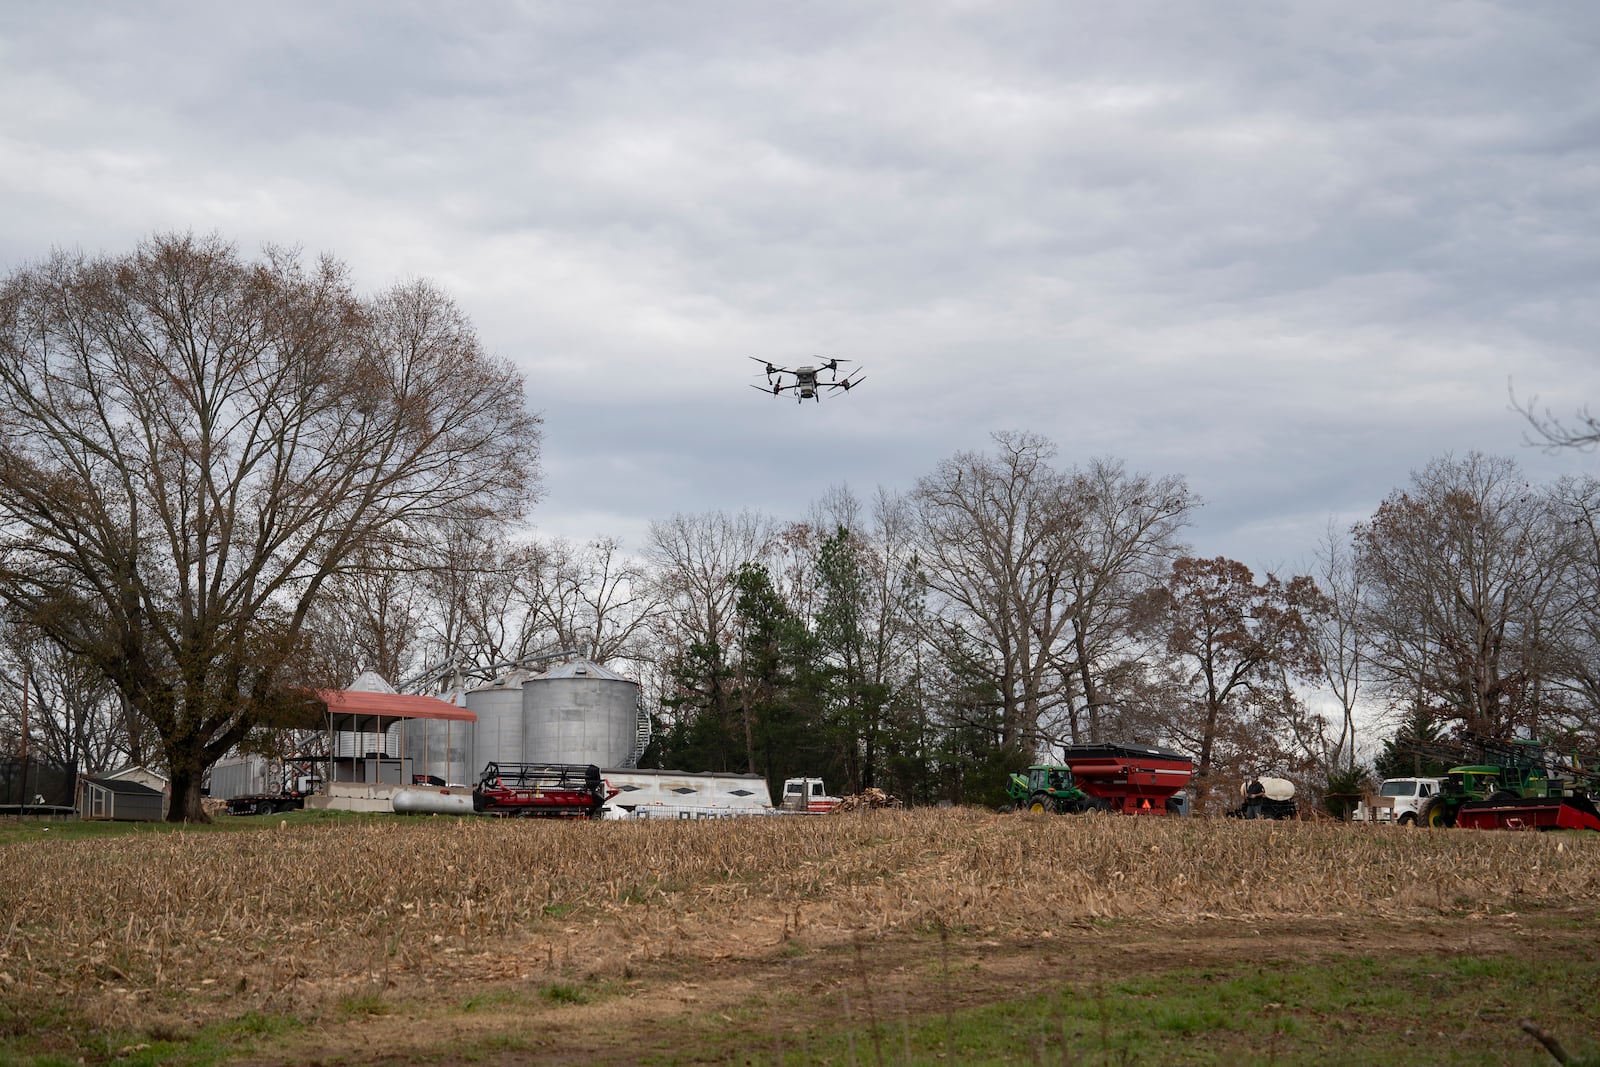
pixel 499 735
pixel 439 748
pixel 580 713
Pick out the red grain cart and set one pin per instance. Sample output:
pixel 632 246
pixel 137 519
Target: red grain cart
pixel 1132 779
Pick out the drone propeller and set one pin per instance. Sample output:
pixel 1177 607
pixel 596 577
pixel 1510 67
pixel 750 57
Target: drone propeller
pixel 771 370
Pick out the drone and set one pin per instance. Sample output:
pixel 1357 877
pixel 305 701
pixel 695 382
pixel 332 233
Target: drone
pixel 808 382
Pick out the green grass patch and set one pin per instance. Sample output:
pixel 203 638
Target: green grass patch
pixel 562 993
pixel 1356 1011
pixel 60 1038
pixel 495 1000
pixel 368 1002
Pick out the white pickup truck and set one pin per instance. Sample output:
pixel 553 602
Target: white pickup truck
pixel 1399 800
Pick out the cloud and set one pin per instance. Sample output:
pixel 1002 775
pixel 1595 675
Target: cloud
pixel 1289 252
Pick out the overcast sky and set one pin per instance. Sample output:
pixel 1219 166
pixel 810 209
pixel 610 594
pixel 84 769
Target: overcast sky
pixel 1290 251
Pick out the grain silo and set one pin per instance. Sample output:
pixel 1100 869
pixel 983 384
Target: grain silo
pixel 499 735
pixel 439 748
pixel 582 713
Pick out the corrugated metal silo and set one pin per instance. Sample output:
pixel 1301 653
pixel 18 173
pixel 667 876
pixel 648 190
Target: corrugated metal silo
pixel 440 748
pixel 499 735
pixel 581 713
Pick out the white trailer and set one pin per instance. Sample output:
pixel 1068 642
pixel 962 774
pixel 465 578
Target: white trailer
pixel 650 794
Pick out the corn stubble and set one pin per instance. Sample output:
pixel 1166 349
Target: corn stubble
pixel 305 918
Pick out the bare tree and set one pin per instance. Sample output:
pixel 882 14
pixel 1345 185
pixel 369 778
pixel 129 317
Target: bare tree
pixel 194 444
pixel 1551 433
pixel 1341 645
pixel 592 598
pixel 1569 708
pixel 1127 538
pixel 59 709
pixel 998 533
pixel 697 558
pixel 1461 574
pixel 1234 641
pixel 371 619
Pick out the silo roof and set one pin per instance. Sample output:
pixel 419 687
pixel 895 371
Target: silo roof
pixel 584 668
pixel 509 680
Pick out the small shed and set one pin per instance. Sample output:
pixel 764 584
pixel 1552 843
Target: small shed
pixel 118 799
pixel 144 776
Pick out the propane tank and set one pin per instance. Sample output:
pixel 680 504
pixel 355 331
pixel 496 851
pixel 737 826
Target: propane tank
pixel 432 802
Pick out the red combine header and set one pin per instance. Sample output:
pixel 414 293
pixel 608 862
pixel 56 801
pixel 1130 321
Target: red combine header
pixel 541 791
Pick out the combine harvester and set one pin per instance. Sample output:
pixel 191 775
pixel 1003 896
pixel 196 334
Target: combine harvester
pixel 1129 779
pixel 1516 785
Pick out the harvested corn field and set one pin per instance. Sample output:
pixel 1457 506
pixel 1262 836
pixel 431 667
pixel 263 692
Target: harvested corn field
pixel 369 923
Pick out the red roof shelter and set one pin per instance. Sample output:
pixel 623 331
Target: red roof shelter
pixel 364 714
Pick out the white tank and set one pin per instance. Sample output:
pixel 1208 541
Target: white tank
pixel 417 801
pixel 498 736
pixel 580 713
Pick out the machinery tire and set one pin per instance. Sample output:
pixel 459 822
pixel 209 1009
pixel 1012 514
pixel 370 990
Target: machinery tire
pixel 1041 804
pixel 1408 819
pixel 1438 815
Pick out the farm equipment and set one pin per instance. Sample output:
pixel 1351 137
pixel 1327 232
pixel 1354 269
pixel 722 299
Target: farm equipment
pixel 1515 785
pixel 1274 800
pixel 1049 788
pixel 541 791
pixel 1130 779
pixel 806 796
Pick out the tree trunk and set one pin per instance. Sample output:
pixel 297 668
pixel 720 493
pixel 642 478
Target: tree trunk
pixel 184 804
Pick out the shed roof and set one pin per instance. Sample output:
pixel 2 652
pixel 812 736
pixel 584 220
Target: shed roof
pixel 358 711
pixel 130 771
pixel 123 785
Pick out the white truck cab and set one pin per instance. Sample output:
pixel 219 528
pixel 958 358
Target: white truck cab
pixel 806 795
pixel 1398 800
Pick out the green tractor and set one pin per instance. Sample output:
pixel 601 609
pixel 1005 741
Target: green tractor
pixel 1049 788
pixel 1508 772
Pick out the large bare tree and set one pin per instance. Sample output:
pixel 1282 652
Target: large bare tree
pixel 1341 643
pixel 194 443
pixel 1461 575
pixel 1235 644
pixel 998 533
pixel 1127 538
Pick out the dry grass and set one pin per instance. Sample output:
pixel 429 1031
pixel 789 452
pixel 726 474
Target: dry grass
pixel 309 916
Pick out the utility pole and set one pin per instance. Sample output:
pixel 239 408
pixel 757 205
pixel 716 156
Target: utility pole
pixel 27 683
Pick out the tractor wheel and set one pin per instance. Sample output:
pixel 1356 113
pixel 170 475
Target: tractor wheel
pixel 1438 815
pixel 1041 804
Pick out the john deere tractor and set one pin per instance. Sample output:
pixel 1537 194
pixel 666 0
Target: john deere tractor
pixel 1512 786
pixel 1050 788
